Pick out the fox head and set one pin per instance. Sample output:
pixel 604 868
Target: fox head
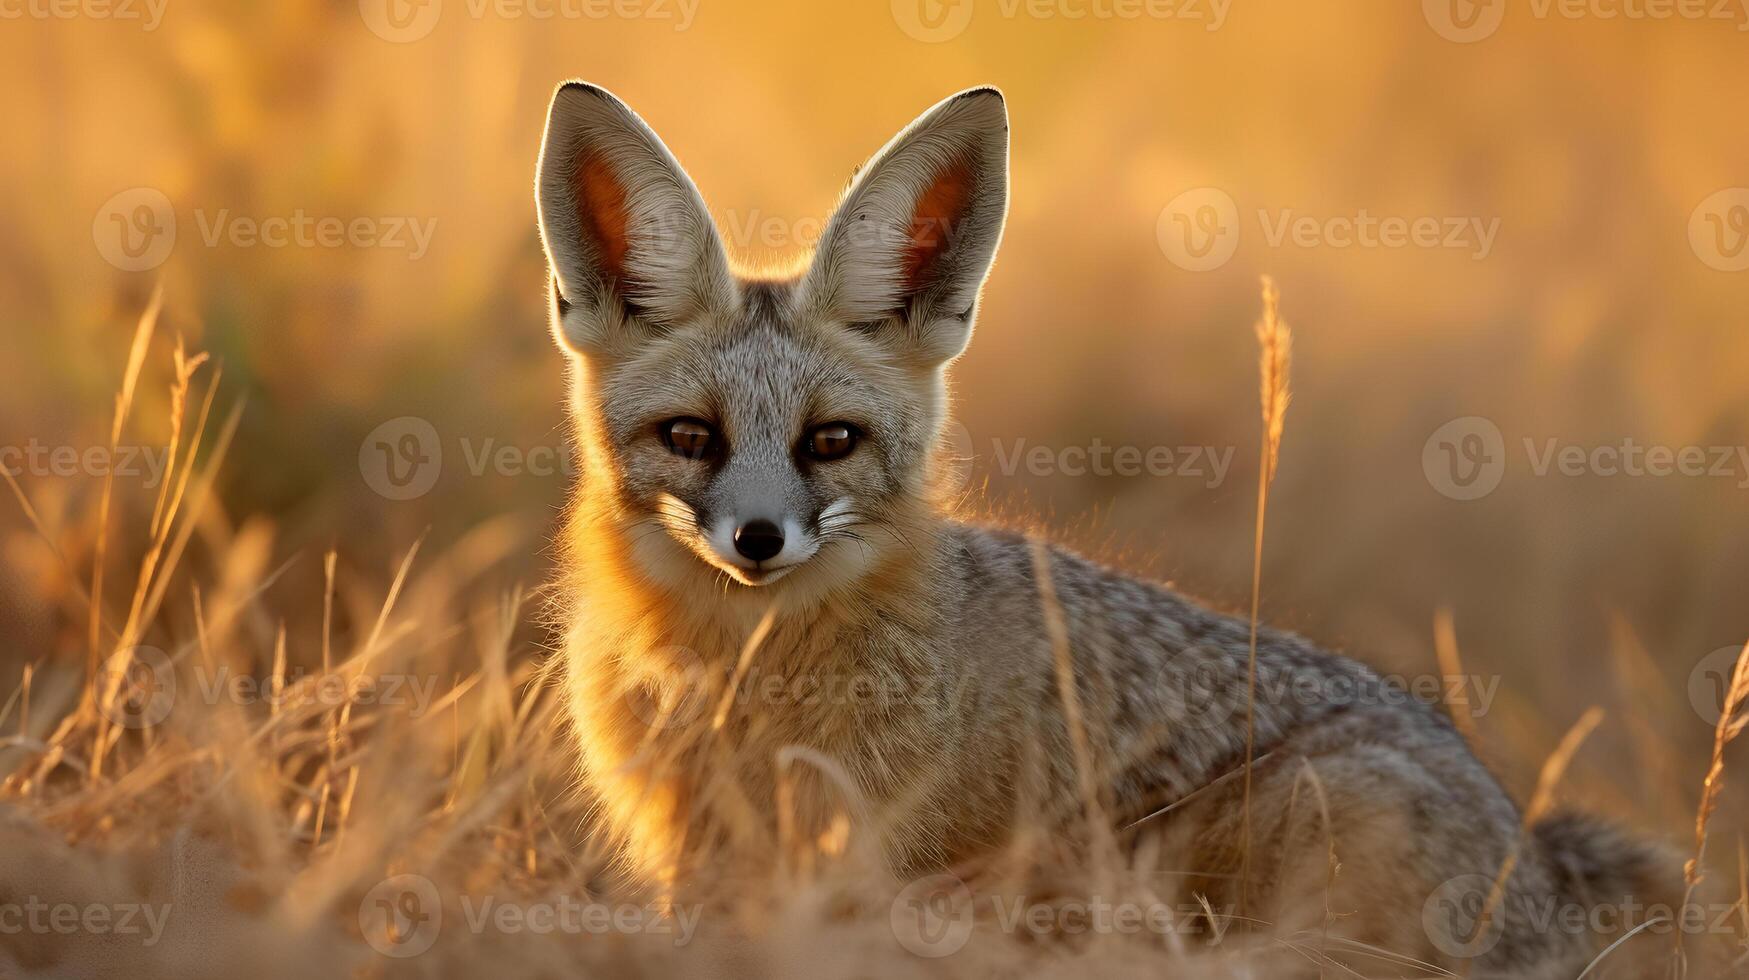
pixel 756 428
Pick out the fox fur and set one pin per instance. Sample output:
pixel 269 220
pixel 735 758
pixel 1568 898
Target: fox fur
pixel 889 672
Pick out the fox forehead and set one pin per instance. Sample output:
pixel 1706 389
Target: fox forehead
pixel 761 373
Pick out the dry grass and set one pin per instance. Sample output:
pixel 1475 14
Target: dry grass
pixel 1540 804
pixel 1733 720
pixel 1275 343
pixel 265 821
pixel 1591 140
pixel 265 824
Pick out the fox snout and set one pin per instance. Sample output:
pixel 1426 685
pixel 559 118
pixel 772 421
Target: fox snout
pixel 758 550
pixel 755 544
pixel 759 540
pixel 754 516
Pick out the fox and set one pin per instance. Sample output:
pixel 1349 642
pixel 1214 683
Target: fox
pixel 774 629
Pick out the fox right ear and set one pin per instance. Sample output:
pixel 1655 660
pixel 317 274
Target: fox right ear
pixel 905 255
pixel 632 247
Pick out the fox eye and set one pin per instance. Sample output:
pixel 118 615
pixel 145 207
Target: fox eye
pixel 832 441
pixel 689 437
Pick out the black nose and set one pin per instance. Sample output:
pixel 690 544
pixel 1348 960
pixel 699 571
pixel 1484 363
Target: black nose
pixel 758 540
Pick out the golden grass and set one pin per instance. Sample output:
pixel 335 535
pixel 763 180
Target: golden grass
pixel 1451 665
pixel 1554 768
pixel 1733 720
pixel 1086 767
pixel 292 808
pixel 1275 345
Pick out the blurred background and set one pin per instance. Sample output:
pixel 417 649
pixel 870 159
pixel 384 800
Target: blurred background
pixel 1501 230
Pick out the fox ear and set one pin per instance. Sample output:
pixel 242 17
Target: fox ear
pixel 632 246
pixel 907 250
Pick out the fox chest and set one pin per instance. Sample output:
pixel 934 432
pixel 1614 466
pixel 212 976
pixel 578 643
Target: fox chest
pixel 827 712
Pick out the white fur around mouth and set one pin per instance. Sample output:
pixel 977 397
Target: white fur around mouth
pixel 716 545
pixel 757 577
pixel 755 574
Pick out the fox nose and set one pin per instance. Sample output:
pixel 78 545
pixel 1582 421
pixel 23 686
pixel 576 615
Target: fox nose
pixel 758 540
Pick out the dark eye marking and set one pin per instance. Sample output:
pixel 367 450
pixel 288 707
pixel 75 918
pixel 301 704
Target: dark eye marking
pixel 832 441
pixel 691 438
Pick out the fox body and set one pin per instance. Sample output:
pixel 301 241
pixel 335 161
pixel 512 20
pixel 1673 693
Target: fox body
pixel 774 633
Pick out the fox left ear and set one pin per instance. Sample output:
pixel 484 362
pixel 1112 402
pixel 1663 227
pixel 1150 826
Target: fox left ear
pixel 907 250
pixel 632 246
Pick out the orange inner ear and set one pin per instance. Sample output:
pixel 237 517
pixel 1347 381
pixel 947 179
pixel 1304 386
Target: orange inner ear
pixel 601 206
pixel 934 223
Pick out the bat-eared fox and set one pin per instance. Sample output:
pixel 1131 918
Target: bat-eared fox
pixel 775 633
